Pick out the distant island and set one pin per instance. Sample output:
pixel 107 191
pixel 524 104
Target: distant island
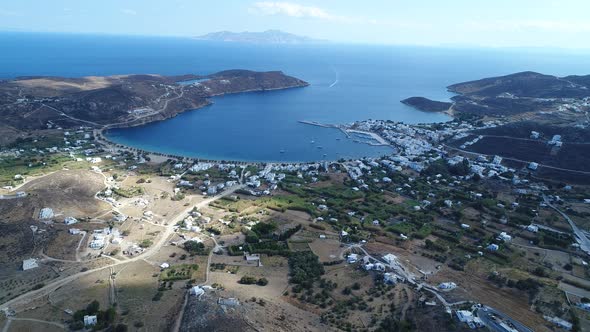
pixel 264 37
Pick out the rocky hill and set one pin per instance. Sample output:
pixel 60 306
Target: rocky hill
pixel 427 105
pixel 513 95
pixel 526 84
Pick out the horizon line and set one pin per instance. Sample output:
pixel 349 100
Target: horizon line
pixel 318 41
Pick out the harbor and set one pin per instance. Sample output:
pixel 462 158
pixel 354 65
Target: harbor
pixel 358 136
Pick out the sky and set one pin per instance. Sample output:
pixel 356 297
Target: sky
pixel 489 23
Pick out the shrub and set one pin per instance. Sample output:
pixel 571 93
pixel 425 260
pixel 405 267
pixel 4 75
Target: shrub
pixel 305 268
pixel 195 248
pixel 121 328
pixel 145 243
pixel 158 296
pixel 246 280
pixel 38 286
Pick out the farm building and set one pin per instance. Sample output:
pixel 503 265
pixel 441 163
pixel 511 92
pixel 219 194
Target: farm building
pixel 30 263
pixel 46 213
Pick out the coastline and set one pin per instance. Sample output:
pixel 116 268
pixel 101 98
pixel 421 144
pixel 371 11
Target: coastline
pixel 101 136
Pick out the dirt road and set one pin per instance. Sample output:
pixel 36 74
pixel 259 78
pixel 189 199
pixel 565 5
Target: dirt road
pixel 49 288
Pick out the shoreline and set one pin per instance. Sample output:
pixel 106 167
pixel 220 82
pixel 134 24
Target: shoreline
pixel 113 146
pixel 100 135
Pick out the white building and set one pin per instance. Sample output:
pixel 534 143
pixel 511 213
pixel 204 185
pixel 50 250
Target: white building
pixel 30 263
pixel 468 318
pixel 493 247
pixel 46 213
pixel 252 257
pixel 74 231
pixel 560 322
pixel 197 291
pixel 447 286
pixel 352 258
pixel 533 166
pixel 389 278
pixel 378 267
pixel 90 320
pixel 212 191
pixel 390 258
pixel 504 237
pixel 70 220
pixel 99 241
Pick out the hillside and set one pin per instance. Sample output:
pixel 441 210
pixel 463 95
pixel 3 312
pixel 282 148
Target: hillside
pixel 34 103
pixel 526 84
pixel 427 105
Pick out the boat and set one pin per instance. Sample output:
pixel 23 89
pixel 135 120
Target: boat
pixel 282 151
pixel 312 142
pixel 319 147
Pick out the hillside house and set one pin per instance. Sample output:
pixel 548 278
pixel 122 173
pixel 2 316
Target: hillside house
pixel 29 264
pixel 90 320
pixel 352 258
pixel 46 213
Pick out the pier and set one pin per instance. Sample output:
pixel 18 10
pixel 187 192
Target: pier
pixel 380 140
pixel 324 125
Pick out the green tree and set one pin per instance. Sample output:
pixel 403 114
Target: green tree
pixel 92 308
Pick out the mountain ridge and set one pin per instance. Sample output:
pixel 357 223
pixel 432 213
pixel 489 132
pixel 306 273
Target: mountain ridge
pixel 264 37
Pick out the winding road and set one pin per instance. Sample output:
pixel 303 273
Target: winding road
pixel 579 235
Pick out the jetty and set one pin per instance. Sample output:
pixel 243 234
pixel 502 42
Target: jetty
pixel 379 141
pixel 326 125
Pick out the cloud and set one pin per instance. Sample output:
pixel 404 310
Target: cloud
pixel 127 11
pixel 295 10
pixel 290 9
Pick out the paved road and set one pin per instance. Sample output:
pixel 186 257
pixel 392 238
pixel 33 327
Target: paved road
pixel 15 196
pixel 493 325
pixel 518 160
pixel 579 235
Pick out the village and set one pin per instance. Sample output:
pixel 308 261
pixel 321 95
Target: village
pixel 411 225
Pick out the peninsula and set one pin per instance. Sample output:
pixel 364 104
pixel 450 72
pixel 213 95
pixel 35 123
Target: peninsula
pixel 33 104
pixel 427 105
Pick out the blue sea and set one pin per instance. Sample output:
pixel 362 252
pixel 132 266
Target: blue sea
pixel 348 83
